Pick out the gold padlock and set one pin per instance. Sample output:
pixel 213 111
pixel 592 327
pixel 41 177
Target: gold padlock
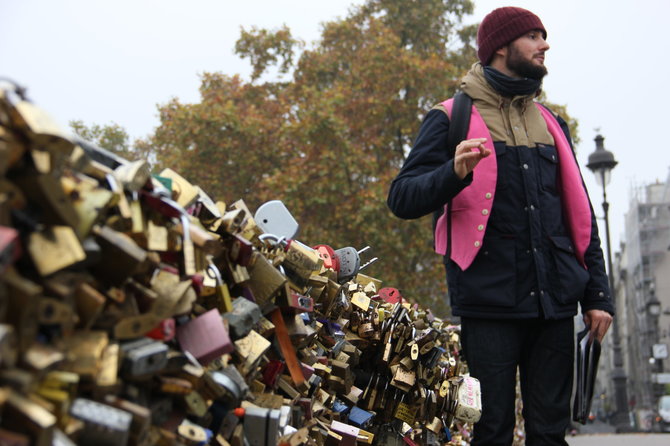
pixel 55 248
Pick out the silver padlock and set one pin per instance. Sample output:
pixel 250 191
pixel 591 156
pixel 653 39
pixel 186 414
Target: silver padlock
pixel 103 425
pixel 144 356
pixel 274 218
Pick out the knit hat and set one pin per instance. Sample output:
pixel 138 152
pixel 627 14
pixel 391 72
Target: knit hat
pixel 503 25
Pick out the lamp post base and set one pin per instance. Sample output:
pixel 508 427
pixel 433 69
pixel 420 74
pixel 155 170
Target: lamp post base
pixel 621 422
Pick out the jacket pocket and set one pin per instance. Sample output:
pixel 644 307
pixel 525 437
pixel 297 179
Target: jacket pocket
pixel 569 278
pixel 502 159
pixel 548 167
pixel 491 279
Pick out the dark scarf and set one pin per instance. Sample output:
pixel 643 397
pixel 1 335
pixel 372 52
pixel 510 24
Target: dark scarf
pixel 509 86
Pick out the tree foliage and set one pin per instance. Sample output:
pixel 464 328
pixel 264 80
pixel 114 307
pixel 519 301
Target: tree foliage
pixel 111 137
pixel 329 141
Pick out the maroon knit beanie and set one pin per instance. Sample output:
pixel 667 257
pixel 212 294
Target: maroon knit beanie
pixel 503 25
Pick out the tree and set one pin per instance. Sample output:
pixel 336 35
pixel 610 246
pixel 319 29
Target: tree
pixel 111 137
pixel 328 140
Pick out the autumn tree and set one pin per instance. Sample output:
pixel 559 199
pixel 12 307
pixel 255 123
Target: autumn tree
pixel 329 130
pixel 110 137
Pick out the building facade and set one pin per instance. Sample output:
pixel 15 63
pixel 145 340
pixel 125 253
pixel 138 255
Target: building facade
pixel 641 273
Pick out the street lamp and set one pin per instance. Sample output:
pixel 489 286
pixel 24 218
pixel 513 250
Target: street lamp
pixel 601 162
pixel 653 304
pixel 656 362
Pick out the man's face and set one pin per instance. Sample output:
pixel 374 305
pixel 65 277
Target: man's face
pixel 525 56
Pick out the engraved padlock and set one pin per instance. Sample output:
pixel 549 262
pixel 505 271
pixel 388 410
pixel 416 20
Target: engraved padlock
pixel 350 262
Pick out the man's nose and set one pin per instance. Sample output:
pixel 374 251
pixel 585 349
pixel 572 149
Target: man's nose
pixel 545 45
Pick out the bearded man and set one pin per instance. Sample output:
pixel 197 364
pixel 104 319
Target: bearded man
pixel 518 233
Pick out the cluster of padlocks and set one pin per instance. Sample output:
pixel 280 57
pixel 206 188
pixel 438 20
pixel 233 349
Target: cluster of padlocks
pixel 134 309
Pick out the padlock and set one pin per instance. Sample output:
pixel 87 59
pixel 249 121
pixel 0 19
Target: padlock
pixel 133 175
pixel 227 385
pixel 265 280
pixel 55 248
pixel 208 212
pixel 469 404
pixel 359 417
pixel 123 257
pixel 103 424
pixel 294 301
pixel 191 434
pixel 22 298
pixel 240 250
pixel 59 388
pixel 327 254
pixel 165 331
pixel 232 221
pixel 46 191
pixel 196 405
pixel 248 229
pixel 206 242
pixel 251 348
pixel 390 295
pixel 228 425
pixel 350 262
pixel 89 303
pixel 27 417
pixel 42 357
pixel 9 438
pixel 271 372
pixel 183 192
pixel 347 432
pixel 8 346
pixel 256 426
pixel 403 379
pixel 10 247
pixel 90 201
pixel 12 148
pixel 140 422
pixel 205 337
pixel 273 217
pixel 244 315
pixel 143 357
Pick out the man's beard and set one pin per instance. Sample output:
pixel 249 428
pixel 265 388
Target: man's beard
pixel 524 68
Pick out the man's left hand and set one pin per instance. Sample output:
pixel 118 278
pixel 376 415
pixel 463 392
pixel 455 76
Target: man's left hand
pixel 598 321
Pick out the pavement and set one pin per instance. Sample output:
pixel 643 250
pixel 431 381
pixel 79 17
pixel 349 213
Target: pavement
pixel 604 439
pixel 599 433
pixel 596 427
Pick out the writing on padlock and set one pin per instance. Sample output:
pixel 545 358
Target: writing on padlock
pixel 349 261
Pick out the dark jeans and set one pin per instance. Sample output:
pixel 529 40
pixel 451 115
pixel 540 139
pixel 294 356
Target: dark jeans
pixel 543 350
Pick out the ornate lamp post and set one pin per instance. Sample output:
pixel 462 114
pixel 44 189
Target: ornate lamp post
pixel 601 162
pixel 653 313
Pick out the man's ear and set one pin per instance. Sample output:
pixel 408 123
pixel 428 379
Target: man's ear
pixel 502 51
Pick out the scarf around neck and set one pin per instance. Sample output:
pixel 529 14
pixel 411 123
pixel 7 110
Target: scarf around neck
pixel 509 86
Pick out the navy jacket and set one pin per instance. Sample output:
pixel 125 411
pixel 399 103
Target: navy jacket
pixel 526 267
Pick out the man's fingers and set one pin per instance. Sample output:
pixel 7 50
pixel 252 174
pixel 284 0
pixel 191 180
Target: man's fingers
pixel 598 322
pixel 470 143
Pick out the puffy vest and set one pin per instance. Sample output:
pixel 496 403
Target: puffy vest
pixel 471 208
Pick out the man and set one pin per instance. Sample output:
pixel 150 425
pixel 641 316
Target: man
pixel 523 241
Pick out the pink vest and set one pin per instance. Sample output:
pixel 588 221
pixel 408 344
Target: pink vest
pixel 471 208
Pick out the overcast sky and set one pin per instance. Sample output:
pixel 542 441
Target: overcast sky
pixel 115 61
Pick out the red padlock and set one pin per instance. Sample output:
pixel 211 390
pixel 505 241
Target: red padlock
pixel 164 331
pixel 390 295
pixel 330 260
